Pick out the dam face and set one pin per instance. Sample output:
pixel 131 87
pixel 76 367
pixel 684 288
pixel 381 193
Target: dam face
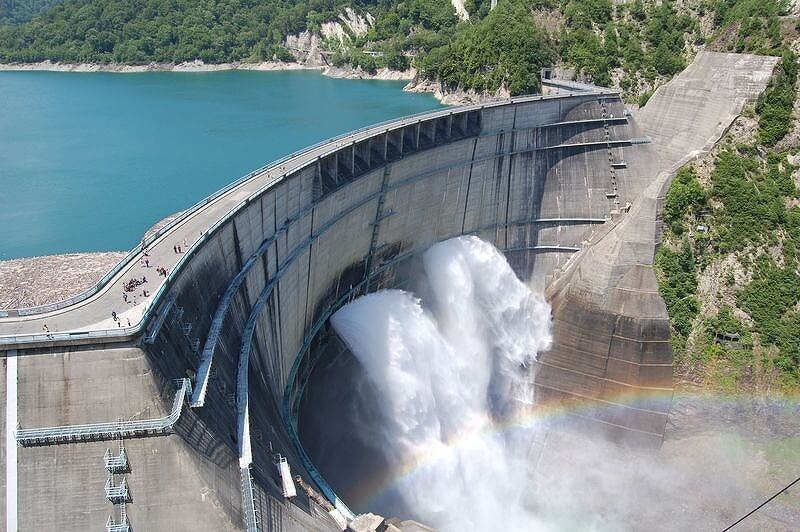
pixel 533 177
pixel 566 186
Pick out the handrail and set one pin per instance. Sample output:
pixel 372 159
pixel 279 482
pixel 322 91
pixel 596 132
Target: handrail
pixel 126 332
pixel 396 122
pixel 106 431
pixel 248 500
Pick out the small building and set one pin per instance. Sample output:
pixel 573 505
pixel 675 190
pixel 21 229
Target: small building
pixel 729 340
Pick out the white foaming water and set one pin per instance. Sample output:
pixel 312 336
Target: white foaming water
pixel 446 376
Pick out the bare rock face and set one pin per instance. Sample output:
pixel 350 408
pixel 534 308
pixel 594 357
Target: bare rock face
pixel 348 24
pixel 453 96
pixel 306 47
pixel 461 11
pixel 384 74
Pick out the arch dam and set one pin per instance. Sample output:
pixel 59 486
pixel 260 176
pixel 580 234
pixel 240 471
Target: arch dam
pixel 176 422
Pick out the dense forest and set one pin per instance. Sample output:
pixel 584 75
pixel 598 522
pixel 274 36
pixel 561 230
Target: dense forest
pixel 633 45
pixel 19 11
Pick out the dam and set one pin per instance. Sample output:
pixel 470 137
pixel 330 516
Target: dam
pixel 188 418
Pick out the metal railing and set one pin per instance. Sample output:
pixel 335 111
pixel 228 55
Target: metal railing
pixel 114 462
pixel 122 526
pixel 106 431
pixel 248 501
pixel 116 493
pixel 159 321
pixel 576 86
pixel 134 253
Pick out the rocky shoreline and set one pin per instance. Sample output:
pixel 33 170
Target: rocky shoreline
pixel 188 66
pixel 454 97
pixel 415 84
pixel 35 281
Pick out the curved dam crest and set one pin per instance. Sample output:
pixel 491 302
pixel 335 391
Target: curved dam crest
pixel 567 186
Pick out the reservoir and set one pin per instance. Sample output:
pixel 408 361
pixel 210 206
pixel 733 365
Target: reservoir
pixel 89 161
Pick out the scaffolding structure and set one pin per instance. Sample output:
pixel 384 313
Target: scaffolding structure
pixel 116 463
pixel 123 525
pixel 118 494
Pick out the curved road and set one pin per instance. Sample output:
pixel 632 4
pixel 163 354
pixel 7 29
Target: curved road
pixel 93 315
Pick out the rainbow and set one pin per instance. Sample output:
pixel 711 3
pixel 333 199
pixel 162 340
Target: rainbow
pixel 527 421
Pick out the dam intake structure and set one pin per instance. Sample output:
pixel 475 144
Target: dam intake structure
pixel 567 186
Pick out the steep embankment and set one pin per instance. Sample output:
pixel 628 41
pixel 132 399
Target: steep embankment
pixel 729 264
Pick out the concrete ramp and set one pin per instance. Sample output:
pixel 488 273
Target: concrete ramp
pixel 691 112
pixel 610 324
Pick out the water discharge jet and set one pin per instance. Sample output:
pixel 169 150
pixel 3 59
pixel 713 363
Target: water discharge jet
pixel 449 374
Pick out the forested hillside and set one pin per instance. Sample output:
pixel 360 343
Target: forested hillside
pixel 728 268
pixel 634 45
pixel 19 11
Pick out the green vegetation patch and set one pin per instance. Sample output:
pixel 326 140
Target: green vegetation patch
pixel 776 103
pixel 505 49
pixel 751 26
pixel 753 204
pixel 140 31
pixel 686 198
pixel 771 299
pixel 19 11
pixel 677 271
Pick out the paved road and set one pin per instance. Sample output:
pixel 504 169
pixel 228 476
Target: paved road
pixel 94 313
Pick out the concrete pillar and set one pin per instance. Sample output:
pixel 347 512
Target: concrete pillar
pixel 335 175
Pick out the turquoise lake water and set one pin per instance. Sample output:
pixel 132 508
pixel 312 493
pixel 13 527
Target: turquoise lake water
pixel 88 162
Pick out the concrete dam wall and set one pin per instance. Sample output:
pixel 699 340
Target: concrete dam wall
pixel 567 186
pixel 531 176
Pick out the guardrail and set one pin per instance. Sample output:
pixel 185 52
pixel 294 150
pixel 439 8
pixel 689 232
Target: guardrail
pixel 106 431
pixel 212 197
pixel 27 311
pixel 575 85
pixel 248 501
pixel 126 332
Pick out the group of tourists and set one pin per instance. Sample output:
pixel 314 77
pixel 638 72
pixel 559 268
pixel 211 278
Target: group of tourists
pixel 131 285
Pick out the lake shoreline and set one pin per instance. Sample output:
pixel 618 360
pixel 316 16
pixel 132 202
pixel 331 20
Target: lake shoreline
pixel 93 160
pixel 414 82
pixel 123 68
